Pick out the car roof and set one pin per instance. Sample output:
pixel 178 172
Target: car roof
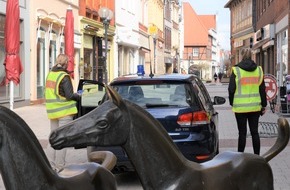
pixel 163 77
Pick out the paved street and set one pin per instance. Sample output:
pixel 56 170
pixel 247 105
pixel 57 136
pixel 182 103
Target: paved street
pixel 35 116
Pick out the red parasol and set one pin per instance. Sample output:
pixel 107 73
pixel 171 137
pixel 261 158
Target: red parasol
pixel 69 40
pixel 12 63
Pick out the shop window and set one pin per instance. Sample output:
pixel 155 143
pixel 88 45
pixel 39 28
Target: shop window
pixel 88 63
pixel 40 67
pixel 4 89
pixel 52 54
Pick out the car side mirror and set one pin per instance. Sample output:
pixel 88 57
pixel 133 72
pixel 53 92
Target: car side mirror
pixel 218 100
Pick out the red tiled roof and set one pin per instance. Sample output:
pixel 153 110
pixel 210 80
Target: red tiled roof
pixel 195 32
pixel 208 20
pixel 196 26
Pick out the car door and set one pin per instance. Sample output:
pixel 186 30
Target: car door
pixel 208 106
pixel 92 94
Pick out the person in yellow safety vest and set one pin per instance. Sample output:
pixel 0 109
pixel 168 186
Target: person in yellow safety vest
pixel 60 101
pixel 247 96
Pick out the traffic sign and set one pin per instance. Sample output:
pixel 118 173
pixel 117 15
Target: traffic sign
pixel 153 30
pixel 271 86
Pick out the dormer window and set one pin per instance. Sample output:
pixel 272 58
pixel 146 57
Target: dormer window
pixel 88 12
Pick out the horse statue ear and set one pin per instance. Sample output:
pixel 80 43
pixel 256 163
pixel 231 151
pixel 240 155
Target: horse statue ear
pixel 114 96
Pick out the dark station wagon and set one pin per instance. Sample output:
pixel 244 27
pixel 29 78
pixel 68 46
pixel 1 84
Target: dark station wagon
pixel 181 103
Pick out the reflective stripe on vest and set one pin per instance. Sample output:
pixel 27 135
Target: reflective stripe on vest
pixel 247 97
pixel 56 105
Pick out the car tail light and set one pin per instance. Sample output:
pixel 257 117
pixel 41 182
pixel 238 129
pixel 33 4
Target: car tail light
pixel 202 157
pixel 194 118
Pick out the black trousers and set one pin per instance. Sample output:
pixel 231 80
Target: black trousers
pixel 252 118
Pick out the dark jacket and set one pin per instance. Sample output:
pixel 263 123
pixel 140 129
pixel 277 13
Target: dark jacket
pixel 65 86
pixel 247 65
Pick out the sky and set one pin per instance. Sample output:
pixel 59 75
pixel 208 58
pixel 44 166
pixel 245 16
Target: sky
pixel 211 7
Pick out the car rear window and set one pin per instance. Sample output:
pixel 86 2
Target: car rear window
pixel 154 94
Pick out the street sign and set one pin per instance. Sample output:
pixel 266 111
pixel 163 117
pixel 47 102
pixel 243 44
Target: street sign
pixel 153 30
pixel 271 86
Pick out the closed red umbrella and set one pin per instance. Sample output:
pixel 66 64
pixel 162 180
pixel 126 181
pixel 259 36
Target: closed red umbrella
pixel 69 40
pixel 12 63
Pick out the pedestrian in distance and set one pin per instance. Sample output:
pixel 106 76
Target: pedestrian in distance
pixel 220 75
pixel 60 103
pixel 215 77
pixel 247 96
pixel 175 70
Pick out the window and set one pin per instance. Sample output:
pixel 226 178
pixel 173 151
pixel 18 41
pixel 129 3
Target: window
pixel 95 15
pixel 3 88
pixel 195 52
pixel 40 67
pixel 167 11
pixel 167 38
pixel 88 12
pixel 202 94
pixel 159 94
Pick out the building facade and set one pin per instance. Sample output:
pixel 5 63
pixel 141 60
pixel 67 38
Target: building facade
pixel 127 37
pixel 156 39
pixel 95 62
pixel 200 43
pixel 144 37
pixel 242 27
pixel 175 34
pixel 150 39
pixel 267 26
pixel 21 94
pixel 47 21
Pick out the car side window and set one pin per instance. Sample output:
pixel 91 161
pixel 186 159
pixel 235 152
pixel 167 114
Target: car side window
pixel 202 94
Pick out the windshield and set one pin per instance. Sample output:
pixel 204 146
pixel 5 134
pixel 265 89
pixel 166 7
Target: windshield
pixel 154 95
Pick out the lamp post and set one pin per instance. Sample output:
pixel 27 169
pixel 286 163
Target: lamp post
pixel 153 31
pixel 106 15
pixel 154 36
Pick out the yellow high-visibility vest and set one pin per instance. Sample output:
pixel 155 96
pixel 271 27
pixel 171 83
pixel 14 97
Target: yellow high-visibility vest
pixel 56 105
pixel 247 96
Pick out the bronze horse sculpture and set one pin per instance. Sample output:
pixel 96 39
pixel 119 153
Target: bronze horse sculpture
pixel 24 165
pixel 157 160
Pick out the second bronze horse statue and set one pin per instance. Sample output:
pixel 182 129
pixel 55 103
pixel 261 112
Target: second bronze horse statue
pixel 156 158
pixel 24 165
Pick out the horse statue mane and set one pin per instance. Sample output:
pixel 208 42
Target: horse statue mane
pixel 24 165
pixel 157 160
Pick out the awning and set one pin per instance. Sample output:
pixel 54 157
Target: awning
pixel 144 49
pixel 267 44
pixel 260 43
